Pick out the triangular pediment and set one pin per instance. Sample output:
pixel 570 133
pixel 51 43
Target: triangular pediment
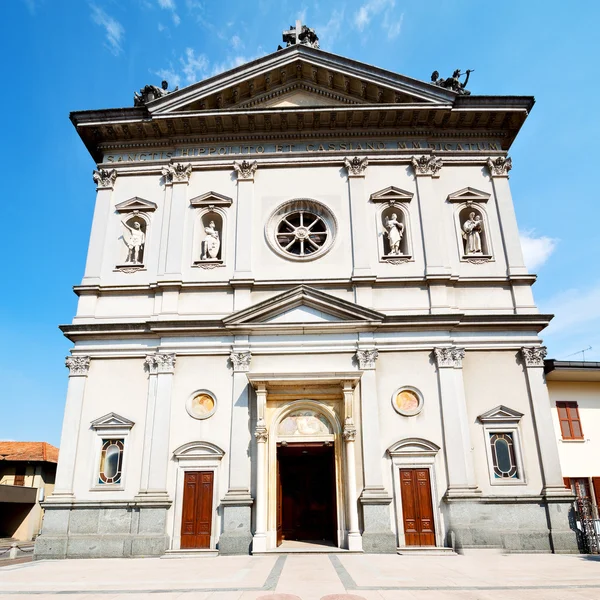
pixel 134 204
pixel 303 304
pixel 300 76
pixel 500 414
pixel 211 199
pixel 468 194
pixel 112 421
pixel 391 194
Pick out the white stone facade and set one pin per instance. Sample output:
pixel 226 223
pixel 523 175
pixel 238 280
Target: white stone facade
pixel 230 311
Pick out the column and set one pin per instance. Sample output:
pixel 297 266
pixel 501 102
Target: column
pixel 361 246
pixel 459 453
pixel 259 542
pixel 156 456
pixel 105 181
pixel 78 371
pixel 178 176
pixel 349 436
pixel 558 499
pixel 237 536
pixel 377 535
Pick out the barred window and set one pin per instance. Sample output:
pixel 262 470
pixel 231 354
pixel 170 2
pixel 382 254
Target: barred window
pixel 111 461
pixel 503 456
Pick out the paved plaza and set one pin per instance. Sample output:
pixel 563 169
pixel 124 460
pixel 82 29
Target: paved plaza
pixel 309 577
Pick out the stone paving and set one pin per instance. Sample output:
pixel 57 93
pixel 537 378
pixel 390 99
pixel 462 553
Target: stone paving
pixel 309 577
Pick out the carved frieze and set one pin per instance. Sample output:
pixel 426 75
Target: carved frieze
pixel 366 358
pixel 105 178
pixel 157 364
pixel 356 166
pixel 78 365
pixel 534 356
pixel 449 357
pixel 240 361
pixel 245 170
pixel 499 167
pixel 177 173
pixel 427 165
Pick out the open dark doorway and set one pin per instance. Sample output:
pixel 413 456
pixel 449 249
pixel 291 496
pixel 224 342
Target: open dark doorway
pixel 306 503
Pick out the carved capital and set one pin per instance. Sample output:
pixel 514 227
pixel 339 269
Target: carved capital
pixel 240 361
pixel 245 170
pixel 261 433
pixel 356 166
pixel 78 365
pixel 427 165
pixel 157 364
pixel 533 356
pixel 177 173
pixel 499 167
pixel 366 358
pixel 449 357
pixel 349 433
pixel 105 179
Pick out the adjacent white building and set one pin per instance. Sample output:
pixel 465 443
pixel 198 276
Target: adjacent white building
pixel 305 316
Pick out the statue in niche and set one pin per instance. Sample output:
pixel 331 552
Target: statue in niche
pixel 134 239
pixel 211 243
pixel 394 233
pixel 472 229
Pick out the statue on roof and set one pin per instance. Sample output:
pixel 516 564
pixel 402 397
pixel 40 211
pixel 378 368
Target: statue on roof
pixel 453 83
pixel 151 92
pixel 300 34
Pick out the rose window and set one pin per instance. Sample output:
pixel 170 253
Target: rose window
pixel 301 233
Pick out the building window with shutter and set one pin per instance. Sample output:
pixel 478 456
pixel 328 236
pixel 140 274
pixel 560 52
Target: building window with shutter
pixel 570 423
pixel 20 476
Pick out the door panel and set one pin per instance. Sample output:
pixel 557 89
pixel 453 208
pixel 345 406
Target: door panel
pixel 196 518
pixel 417 508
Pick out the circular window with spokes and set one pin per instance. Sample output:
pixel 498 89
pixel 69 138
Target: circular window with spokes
pixel 301 229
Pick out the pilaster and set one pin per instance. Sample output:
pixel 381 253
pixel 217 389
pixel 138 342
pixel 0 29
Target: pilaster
pixel 459 453
pixel 259 542
pixel 78 371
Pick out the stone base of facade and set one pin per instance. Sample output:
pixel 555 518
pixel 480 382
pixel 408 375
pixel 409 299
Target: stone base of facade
pixel 236 537
pixel 514 524
pixel 102 532
pixel 377 537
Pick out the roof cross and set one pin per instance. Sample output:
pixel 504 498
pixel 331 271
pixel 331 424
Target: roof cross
pixel 300 34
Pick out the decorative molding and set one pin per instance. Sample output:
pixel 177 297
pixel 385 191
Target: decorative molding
pixel 449 357
pixel 357 166
pixel 105 179
pixel 413 447
pixel 534 356
pixel 112 421
pixel 240 361
pixel 245 170
pixel 349 433
pixel 468 195
pixel 177 173
pixel 396 260
pixel 135 205
pixel 208 264
pixel 427 165
pixel 261 434
pixel 130 268
pixel 78 365
pixel 391 195
pixel 499 167
pixel 211 199
pixel 198 450
pixel 478 261
pixel 157 364
pixel 366 358
pixel 500 414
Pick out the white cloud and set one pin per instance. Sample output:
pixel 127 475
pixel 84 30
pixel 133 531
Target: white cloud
pixel 114 30
pixel 236 42
pixel 329 33
pixel 31 6
pixel 389 22
pixel 161 27
pixel 536 249
pixel 170 5
pixel 393 28
pixel 575 310
pixel 171 76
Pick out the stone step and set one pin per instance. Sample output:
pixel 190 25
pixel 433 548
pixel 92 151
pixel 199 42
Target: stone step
pixel 425 550
pixel 190 553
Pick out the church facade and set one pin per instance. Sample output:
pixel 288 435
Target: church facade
pixel 305 316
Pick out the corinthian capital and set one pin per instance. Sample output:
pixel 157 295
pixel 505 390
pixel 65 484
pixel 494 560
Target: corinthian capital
pixel 499 167
pixel 240 361
pixel 427 165
pixel 78 365
pixel 177 173
pixel 245 170
pixel 366 358
pixel 356 167
pixel 105 179
pixel 160 363
pixel 534 356
pixel 449 357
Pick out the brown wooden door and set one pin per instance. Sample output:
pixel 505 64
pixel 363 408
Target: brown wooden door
pixel 417 508
pixel 196 519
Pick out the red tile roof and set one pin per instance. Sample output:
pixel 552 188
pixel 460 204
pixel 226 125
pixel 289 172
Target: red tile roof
pixel 33 451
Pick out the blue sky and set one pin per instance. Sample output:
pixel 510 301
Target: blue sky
pixel 74 55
